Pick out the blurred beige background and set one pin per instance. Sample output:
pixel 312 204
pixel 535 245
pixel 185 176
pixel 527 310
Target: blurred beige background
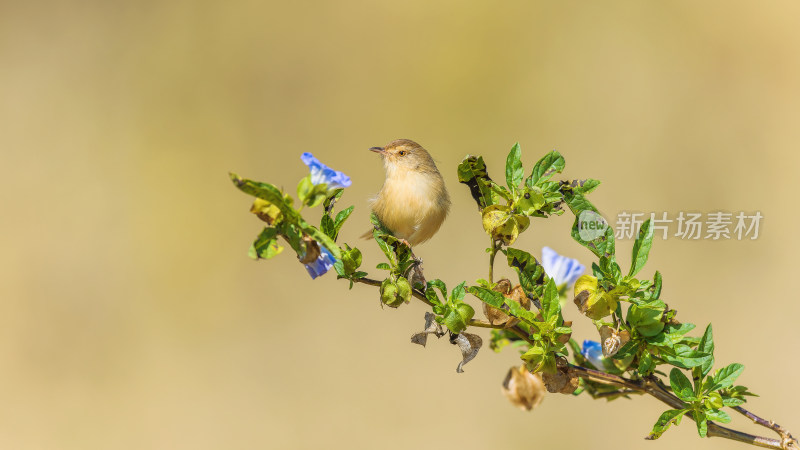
pixel 132 318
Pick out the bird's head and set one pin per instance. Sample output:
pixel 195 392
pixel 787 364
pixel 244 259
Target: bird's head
pixel 404 155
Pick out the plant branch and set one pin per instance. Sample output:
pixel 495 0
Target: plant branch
pixel 614 393
pixel 492 254
pixel 651 386
pixel 655 388
pixel 787 437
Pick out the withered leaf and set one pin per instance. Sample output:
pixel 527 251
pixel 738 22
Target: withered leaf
pixel 311 250
pixel 431 327
pixel 469 344
pixel 498 316
pixel 560 382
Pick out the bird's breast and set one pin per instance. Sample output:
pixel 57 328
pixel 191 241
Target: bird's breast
pixel 407 201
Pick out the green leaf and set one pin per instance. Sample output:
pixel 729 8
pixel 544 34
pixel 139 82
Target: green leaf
pixel 304 188
pixel 657 281
pixel 487 296
pixel 684 356
pixel 545 168
pixel 293 236
pixel 531 273
pixel 582 187
pixel 514 172
pixel 459 291
pixel 518 311
pixel 385 247
pixel 383 266
pixel 264 191
pixel 672 334
pixel 550 301
pixel 266 245
pixel 725 377
pixel 340 219
pixel 377 225
pixel 331 199
pixel 666 420
pixel 681 385
pixel 438 284
pixel 707 346
pixel 610 268
pixel 731 402
pixel 717 415
pixel 472 172
pixel 702 423
pixel 602 240
pixel 646 363
pixel 738 392
pixel 497 300
pixel 327 226
pixel 311 194
pixel 539 359
pixel 641 248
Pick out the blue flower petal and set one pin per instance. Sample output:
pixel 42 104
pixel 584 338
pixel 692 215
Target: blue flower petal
pixel 323 263
pixel 593 352
pixel 561 269
pixel 320 173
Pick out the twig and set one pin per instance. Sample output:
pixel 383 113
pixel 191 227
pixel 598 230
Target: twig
pixel 651 386
pixel 620 392
pixel 492 254
pixel 787 437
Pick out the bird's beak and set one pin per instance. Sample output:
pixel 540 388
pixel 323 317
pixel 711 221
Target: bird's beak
pixel 378 150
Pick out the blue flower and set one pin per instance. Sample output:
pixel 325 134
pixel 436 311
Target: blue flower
pixel 593 352
pixel 322 174
pixel 561 269
pixel 322 264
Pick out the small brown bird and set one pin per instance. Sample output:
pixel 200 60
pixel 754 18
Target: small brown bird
pixel 413 201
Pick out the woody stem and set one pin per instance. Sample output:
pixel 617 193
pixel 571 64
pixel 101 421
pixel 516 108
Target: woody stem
pixel 651 386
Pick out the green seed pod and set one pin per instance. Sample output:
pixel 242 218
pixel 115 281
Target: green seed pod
pixel 530 201
pixel 403 289
pixel 389 292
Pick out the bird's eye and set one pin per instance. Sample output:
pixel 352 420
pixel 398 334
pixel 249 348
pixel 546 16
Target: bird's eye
pixel 402 153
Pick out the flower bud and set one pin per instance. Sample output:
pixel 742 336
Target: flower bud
pixel 523 389
pixel 592 300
